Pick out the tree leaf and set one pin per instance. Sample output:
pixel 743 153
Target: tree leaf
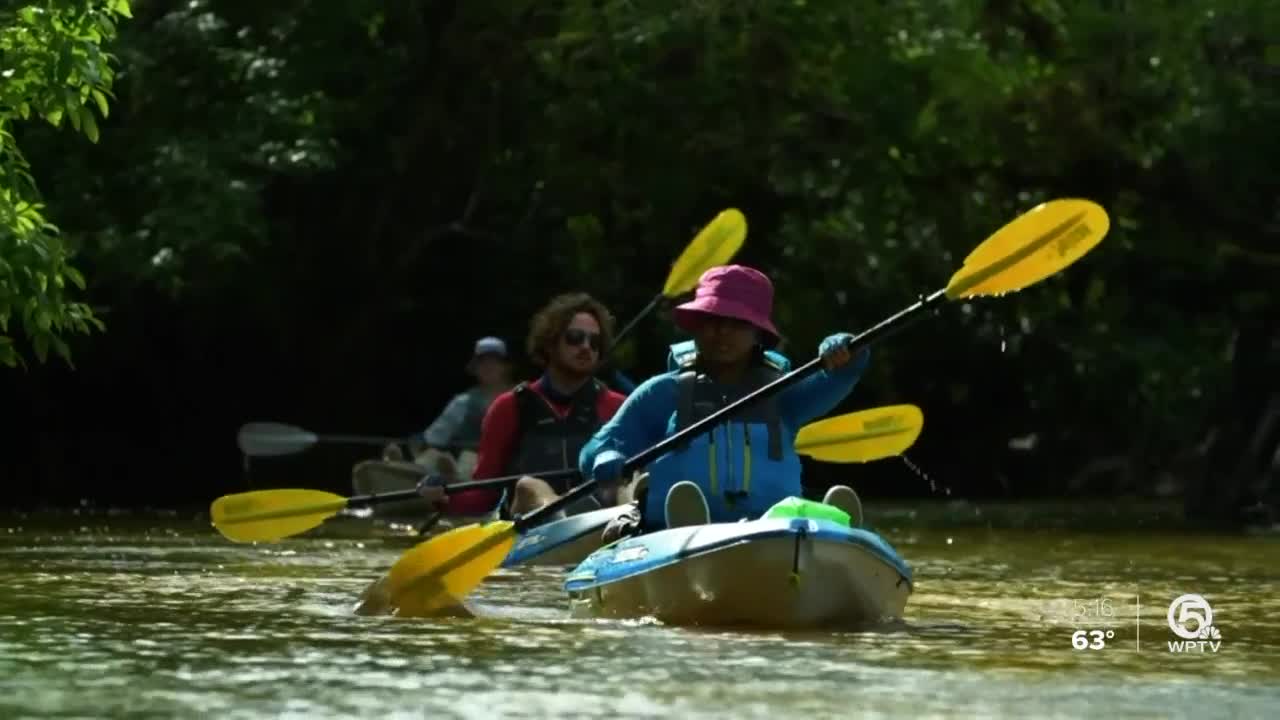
pixel 90 126
pixel 101 100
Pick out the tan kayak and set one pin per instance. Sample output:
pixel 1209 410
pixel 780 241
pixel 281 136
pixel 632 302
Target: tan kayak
pixel 375 477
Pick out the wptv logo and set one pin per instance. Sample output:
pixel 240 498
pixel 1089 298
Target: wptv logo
pixel 1191 618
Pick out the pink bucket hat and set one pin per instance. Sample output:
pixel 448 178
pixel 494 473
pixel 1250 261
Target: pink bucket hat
pixel 732 291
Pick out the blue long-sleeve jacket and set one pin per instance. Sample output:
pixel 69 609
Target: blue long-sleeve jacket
pixel 742 469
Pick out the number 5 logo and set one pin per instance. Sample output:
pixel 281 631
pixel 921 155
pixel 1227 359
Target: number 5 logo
pixel 1189 607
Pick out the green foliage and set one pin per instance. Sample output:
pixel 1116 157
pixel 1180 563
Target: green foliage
pixel 52 66
pixel 211 112
pixel 272 152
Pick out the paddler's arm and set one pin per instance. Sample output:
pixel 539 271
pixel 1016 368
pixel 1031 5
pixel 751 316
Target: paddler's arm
pixel 640 423
pixel 497 440
pixel 822 391
pixel 444 428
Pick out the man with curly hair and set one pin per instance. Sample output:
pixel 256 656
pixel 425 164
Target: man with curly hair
pixel 541 425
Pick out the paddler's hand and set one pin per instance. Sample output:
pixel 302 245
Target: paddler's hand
pixel 835 352
pixel 607 468
pixel 431 489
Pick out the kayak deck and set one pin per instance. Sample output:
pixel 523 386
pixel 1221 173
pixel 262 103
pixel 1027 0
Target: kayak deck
pixel 567 541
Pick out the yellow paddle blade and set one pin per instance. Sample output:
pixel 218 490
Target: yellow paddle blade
pixel 862 436
pixel 436 575
pixel 269 515
pixel 718 242
pixel 1031 247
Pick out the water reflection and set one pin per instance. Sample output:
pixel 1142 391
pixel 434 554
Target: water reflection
pixel 168 618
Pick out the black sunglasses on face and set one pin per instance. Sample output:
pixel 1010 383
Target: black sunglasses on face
pixel 575 337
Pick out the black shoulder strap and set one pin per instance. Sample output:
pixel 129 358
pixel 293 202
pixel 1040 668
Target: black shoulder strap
pixel 586 406
pixel 527 405
pixel 686 383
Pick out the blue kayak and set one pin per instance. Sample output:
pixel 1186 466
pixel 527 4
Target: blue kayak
pixel 566 541
pixel 562 542
pixel 797 572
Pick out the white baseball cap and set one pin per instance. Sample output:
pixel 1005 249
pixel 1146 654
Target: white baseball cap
pixel 490 346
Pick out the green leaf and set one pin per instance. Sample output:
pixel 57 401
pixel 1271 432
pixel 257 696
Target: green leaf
pixel 7 355
pixel 54 117
pixel 41 344
pixel 90 126
pixel 61 348
pixel 101 100
pixel 65 57
pixel 121 7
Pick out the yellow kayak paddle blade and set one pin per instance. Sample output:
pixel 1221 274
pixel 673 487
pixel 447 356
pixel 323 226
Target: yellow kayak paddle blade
pixel 435 576
pixel 270 515
pixel 718 242
pixel 862 436
pixel 1033 246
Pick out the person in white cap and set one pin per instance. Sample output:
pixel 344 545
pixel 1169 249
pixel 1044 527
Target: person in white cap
pixel 457 429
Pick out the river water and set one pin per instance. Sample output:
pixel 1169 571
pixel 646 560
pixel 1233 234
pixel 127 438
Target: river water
pixel 159 616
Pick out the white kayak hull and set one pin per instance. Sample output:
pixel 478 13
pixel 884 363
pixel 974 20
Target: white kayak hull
pixel 774 573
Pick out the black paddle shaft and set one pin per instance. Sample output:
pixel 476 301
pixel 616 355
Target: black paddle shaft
pixel 358 439
pixel 882 329
pixel 657 299
pixel 498 482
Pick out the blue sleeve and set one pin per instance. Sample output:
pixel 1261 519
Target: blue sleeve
pixel 639 424
pixel 445 427
pixel 819 393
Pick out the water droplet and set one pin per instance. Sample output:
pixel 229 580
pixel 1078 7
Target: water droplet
pixel 920 473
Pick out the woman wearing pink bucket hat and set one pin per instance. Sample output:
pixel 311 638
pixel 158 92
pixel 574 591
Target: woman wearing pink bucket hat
pixel 731 292
pixel 740 468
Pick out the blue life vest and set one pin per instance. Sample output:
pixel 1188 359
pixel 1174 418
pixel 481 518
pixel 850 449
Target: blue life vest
pixel 744 465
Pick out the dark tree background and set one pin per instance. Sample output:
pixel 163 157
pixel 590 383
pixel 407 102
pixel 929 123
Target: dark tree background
pixel 307 211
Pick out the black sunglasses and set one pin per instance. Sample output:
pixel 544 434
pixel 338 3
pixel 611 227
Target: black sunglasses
pixel 576 336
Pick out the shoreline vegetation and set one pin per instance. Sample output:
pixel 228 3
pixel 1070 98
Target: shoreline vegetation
pixel 313 221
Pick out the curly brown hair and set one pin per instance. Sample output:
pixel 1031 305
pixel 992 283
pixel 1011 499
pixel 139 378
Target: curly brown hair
pixel 553 319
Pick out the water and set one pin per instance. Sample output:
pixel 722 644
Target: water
pixel 161 617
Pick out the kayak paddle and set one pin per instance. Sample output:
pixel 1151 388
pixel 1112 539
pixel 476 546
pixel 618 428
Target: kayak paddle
pixel 440 572
pixel 861 436
pixel 270 515
pixel 262 439
pixel 719 241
